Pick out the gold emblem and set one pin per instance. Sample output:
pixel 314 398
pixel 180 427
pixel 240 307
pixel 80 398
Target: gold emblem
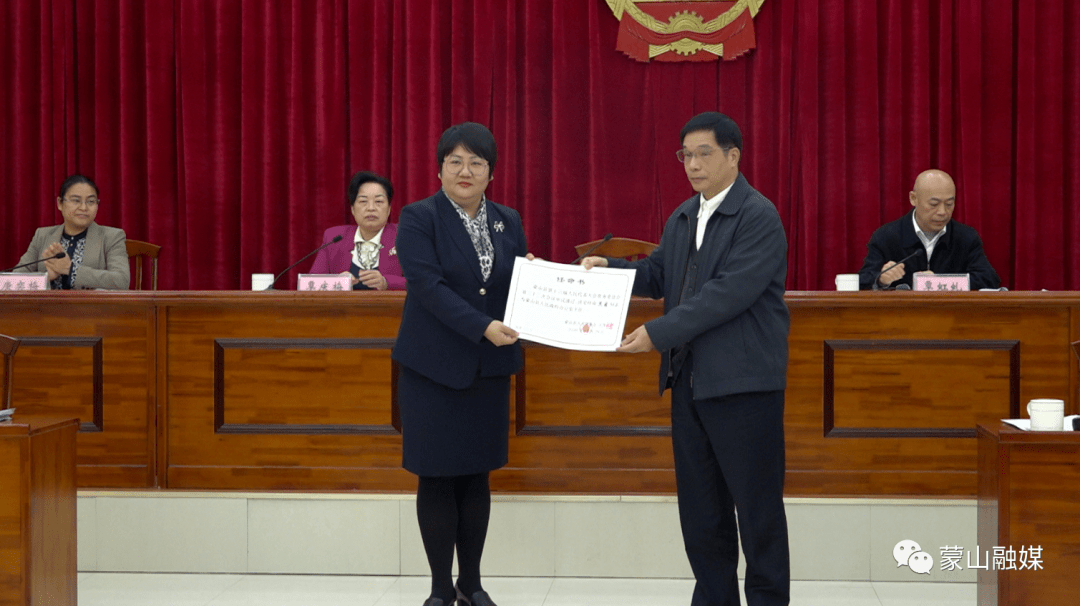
pixel 685 30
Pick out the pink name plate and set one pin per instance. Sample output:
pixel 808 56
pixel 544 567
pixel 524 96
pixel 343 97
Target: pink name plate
pixel 10 282
pixel 324 282
pixel 941 282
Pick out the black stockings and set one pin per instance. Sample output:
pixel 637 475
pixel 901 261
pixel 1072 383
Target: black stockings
pixel 454 511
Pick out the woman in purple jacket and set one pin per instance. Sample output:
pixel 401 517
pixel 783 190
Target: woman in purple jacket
pixel 366 250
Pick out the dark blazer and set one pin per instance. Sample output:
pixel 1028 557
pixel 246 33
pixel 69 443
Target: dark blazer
pixel 337 257
pixel 448 304
pixel 105 263
pixel 959 251
pixel 734 318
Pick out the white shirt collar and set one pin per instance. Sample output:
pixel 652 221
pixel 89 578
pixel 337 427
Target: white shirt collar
pixel 377 239
pixel 709 206
pixel 706 209
pixel 928 242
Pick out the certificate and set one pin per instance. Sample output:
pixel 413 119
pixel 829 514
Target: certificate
pixel 568 306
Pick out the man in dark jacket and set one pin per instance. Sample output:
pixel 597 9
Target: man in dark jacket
pixel 939 244
pixel 720 268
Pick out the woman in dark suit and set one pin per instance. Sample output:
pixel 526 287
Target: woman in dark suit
pixel 94 256
pixel 457 252
pixel 366 250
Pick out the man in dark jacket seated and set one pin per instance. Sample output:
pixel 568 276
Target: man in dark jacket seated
pixel 939 244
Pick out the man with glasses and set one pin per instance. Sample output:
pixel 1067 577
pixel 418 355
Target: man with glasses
pixel 720 268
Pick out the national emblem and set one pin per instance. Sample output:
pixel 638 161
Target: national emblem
pixel 682 30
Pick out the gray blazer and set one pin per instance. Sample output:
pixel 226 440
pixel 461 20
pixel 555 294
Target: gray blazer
pixel 105 262
pixel 734 318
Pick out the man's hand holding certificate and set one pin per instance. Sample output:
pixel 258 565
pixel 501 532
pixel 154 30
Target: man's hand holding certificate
pixel 568 307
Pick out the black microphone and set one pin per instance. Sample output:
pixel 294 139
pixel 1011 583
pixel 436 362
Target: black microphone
pixel 278 277
pixel 58 255
pixel 591 248
pixel 917 253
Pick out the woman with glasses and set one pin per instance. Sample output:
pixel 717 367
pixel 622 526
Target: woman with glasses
pixel 457 251
pixel 90 255
pixel 366 250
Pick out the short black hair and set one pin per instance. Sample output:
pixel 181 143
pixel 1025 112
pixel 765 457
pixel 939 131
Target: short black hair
pixel 724 128
pixel 362 177
pixel 75 180
pixel 472 136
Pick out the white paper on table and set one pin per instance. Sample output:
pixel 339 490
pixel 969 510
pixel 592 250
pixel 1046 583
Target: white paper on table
pixel 1025 424
pixel 567 306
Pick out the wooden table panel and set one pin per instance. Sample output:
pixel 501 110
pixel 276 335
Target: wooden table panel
pixel 14 543
pixel 590 421
pixel 37 511
pixel 1029 495
pixel 916 330
pixel 872 387
pixel 582 390
pixel 62 376
pixel 251 390
pixel 324 387
pixel 303 383
pixel 90 355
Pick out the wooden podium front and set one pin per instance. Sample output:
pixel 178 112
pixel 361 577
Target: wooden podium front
pixel 37 512
pixel 1029 496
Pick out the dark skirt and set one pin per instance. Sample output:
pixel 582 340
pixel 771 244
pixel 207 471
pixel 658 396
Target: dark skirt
pixel 453 432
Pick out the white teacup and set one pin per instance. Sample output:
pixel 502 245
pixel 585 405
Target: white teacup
pixel 847 282
pixel 261 281
pixel 1047 414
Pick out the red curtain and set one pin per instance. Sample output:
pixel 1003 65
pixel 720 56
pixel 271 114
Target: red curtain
pixel 225 130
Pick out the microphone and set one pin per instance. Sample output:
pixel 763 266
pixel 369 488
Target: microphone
pixel 591 248
pixel 278 277
pixel 58 255
pixel 917 253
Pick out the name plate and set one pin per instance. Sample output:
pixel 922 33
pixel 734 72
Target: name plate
pixel 941 282
pixel 12 281
pixel 326 282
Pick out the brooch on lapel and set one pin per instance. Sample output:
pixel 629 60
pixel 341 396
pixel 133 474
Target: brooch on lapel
pixel 393 251
pixel 499 226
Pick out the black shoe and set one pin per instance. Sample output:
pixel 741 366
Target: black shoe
pixel 479 598
pixel 434 602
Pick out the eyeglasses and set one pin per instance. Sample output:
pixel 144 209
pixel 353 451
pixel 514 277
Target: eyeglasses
pixel 455 165
pixel 702 153
pixel 89 202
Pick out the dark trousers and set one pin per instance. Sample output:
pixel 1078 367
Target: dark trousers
pixel 729 457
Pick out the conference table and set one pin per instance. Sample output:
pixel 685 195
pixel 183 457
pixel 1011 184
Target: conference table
pixel 286 390
pixel 1029 506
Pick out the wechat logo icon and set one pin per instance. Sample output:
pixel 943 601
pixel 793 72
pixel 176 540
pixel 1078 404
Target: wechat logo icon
pixel 909 553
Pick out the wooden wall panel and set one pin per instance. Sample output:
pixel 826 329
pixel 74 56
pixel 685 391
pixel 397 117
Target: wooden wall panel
pixel 90 355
